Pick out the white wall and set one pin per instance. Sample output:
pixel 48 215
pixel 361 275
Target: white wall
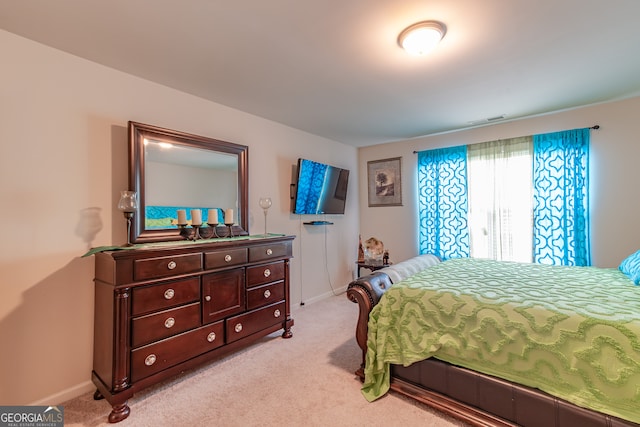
pixel 63 130
pixel 614 154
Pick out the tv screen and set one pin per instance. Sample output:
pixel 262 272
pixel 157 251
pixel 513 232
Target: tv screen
pixel 320 189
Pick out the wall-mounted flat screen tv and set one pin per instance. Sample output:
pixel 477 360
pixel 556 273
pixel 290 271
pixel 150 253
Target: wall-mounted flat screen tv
pixel 320 188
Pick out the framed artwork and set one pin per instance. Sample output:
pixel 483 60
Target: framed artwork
pixel 384 178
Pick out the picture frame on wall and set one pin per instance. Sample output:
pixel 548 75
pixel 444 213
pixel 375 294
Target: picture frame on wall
pixel 384 179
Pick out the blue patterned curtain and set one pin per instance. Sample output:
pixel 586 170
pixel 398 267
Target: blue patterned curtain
pixel 310 185
pixel 560 199
pixel 442 202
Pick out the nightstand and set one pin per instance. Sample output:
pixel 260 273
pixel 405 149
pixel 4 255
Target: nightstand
pixel 371 265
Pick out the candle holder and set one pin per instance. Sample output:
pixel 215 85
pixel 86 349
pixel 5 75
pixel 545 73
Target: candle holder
pixel 128 204
pixel 190 233
pixel 265 204
pixel 197 232
pixel 214 231
pixel 129 217
pixel 230 226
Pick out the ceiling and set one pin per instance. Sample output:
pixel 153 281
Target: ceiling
pixel 333 67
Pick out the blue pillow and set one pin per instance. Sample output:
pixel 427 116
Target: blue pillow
pixel 631 267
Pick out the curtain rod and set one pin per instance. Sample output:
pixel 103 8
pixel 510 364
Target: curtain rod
pixel 594 127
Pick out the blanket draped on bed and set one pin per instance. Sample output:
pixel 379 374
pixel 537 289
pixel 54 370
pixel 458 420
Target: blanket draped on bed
pixel 572 332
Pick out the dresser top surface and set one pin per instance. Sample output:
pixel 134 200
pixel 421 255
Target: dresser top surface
pixel 187 246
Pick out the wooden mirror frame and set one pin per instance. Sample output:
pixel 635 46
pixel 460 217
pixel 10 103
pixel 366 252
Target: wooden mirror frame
pixel 138 132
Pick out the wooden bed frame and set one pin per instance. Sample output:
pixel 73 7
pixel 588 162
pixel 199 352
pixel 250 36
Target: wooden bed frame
pixel 478 399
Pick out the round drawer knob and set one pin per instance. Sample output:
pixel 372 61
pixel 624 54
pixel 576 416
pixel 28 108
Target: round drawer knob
pixel 207 298
pixel 211 337
pixel 276 313
pixel 267 272
pixel 267 293
pixel 169 322
pixel 238 327
pixel 169 293
pixel 172 265
pixel 227 258
pixel 269 251
pixel 150 360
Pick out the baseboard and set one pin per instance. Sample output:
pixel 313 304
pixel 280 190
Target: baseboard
pixel 67 394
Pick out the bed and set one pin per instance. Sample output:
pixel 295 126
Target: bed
pixel 500 343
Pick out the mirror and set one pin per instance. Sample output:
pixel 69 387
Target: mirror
pixel 172 170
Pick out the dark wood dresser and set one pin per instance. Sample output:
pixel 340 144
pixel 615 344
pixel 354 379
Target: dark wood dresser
pixel 163 309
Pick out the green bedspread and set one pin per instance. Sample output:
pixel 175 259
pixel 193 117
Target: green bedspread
pixel 570 331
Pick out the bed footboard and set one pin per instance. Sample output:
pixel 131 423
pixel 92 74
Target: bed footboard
pixel 366 291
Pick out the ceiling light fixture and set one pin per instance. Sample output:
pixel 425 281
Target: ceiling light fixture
pixel 422 37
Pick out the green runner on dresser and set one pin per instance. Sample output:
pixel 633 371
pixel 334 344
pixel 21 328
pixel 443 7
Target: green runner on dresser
pixel 572 332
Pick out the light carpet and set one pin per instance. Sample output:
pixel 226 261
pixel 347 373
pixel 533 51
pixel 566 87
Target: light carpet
pixel 307 380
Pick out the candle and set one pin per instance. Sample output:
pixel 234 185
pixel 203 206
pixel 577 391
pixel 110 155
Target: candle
pixel 228 216
pixel 182 217
pixel 196 217
pixel 212 216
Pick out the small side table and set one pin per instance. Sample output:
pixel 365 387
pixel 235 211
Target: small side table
pixel 373 266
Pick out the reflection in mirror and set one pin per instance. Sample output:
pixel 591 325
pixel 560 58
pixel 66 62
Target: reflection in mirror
pixel 175 171
pixel 187 178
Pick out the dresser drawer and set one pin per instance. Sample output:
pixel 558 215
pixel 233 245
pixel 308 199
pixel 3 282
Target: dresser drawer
pixel 153 358
pixel 152 268
pixel 153 327
pixel 225 258
pixel 265 273
pixel 271 251
pixel 164 295
pixel 266 294
pixel 248 323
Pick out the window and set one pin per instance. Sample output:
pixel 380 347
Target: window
pixel 500 199
pixel 523 199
